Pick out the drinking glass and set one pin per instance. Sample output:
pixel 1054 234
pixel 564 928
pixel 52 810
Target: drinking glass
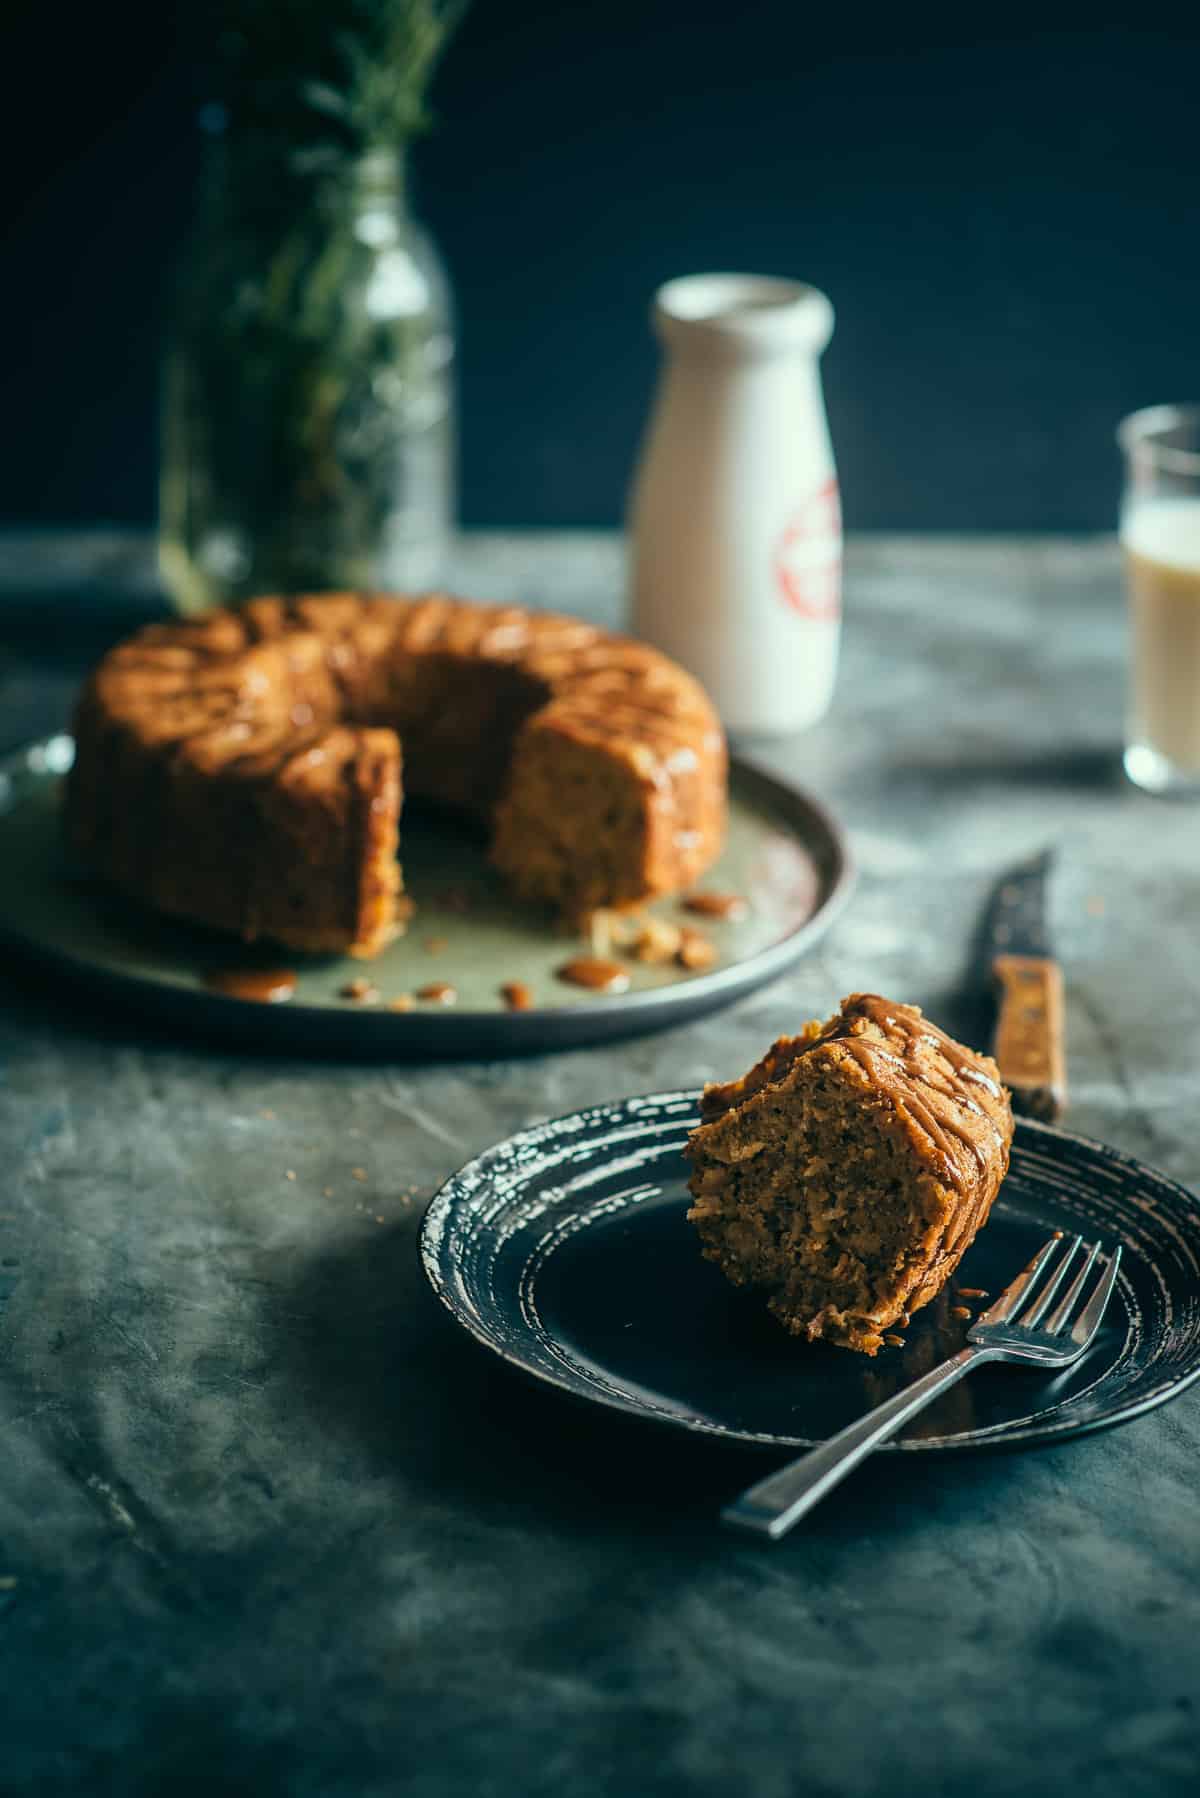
pixel 1160 538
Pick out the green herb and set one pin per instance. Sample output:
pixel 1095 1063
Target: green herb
pixel 302 420
pixel 330 80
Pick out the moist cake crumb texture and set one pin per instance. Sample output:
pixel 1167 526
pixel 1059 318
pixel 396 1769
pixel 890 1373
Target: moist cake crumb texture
pixel 845 1176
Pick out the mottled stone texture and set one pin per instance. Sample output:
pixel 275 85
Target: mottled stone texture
pixel 267 1523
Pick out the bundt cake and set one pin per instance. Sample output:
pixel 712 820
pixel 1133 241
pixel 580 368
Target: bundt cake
pixel 243 770
pixel 846 1175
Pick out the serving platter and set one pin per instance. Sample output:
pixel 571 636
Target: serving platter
pixel 566 1251
pixel 784 854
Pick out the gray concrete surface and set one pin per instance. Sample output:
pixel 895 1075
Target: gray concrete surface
pixel 268 1525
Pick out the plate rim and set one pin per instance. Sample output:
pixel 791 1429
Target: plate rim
pixel 994 1438
pixel 465 1034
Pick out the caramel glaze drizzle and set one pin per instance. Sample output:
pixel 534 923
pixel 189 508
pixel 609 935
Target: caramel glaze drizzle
pixel 264 986
pixel 593 972
pixel 439 991
pixel 874 1058
pixel 716 905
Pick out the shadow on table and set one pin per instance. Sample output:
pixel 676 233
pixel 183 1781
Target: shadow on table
pixel 381 1363
pixel 961 768
pixel 37 996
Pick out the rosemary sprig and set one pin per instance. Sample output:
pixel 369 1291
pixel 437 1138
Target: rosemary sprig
pixel 289 397
pixel 330 80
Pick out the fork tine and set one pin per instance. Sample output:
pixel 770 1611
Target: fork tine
pixel 1088 1321
pixel 1015 1294
pixel 1029 1317
pixel 1062 1311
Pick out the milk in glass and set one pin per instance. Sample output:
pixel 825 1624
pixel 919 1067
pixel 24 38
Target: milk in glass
pixel 1160 537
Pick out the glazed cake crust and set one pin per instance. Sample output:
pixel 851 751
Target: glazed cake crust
pixel 244 770
pixel 848 1172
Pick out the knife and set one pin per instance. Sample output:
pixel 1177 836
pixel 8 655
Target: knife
pixel 1028 1044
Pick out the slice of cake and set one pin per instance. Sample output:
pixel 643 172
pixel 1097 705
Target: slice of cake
pixel 846 1175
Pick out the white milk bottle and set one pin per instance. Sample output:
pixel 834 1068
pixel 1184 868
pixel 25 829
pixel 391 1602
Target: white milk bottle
pixel 735 525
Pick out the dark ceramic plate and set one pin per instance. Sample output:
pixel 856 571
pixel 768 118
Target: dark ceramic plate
pixel 783 851
pixel 566 1251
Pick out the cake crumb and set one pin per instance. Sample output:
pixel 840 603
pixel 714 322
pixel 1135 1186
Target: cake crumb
pixel 436 945
pixel 960 1311
pixel 695 951
pixel 601 930
pixel 402 1002
pixel 358 1173
pixel 972 1292
pixel 289 1173
pixel 327 1192
pixel 657 941
pixel 269 1115
pixel 893 1340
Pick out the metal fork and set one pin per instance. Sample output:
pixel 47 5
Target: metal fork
pixel 1016 1328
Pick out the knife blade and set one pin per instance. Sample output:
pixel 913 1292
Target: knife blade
pixel 1028 1041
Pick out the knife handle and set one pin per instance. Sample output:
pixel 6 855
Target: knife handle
pixel 1029 1033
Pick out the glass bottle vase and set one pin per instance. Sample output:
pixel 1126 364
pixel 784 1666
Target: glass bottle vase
pixel 308 395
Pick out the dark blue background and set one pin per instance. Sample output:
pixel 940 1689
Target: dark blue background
pixel 1003 208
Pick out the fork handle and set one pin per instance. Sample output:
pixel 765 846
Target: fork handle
pixel 772 1506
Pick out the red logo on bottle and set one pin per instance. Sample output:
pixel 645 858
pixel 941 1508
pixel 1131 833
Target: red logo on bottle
pixel 808 556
